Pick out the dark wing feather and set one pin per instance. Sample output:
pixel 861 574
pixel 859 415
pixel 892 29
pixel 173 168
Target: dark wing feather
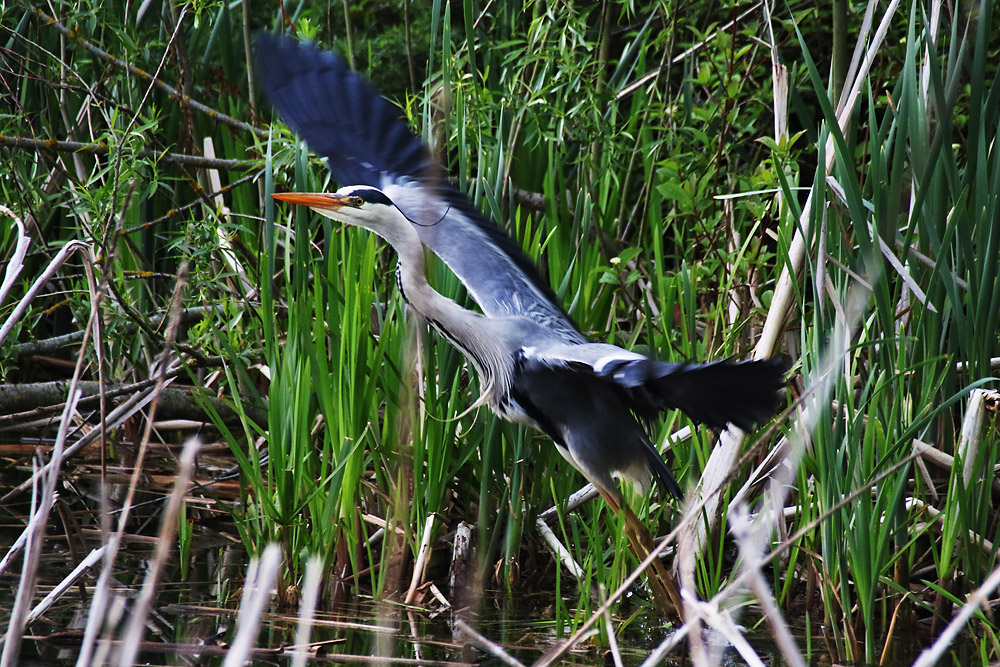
pixel 591 418
pixel 741 393
pixel 719 393
pixel 338 113
pixel 585 398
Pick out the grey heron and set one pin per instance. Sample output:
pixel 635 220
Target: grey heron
pixel 534 366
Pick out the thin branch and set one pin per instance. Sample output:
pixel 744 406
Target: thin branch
pixel 181 209
pixel 101 148
pixel 74 35
pixel 189 315
pixel 174 402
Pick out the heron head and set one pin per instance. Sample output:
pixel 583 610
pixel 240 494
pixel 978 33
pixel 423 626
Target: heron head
pixel 358 205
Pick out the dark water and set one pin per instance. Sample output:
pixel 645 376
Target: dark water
pixel 194 622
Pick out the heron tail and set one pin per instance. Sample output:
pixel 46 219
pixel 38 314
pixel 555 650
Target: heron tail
pixel 742 393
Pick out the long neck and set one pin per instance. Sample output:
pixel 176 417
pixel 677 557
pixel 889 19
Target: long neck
pixel 470 332
pixel 412 281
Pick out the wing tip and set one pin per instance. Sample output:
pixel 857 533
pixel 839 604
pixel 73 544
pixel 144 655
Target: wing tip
pixel 338 112
pixel 721 393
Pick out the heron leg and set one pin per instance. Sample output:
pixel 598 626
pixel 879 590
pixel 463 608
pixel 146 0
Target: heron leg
pixel 661 584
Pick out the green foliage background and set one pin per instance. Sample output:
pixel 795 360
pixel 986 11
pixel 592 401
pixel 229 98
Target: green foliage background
pixel 630 148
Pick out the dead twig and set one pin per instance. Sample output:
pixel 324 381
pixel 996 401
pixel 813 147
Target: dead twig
pixel 74 36
pixel 101 148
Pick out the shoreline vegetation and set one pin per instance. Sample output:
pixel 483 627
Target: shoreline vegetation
pixel 219 412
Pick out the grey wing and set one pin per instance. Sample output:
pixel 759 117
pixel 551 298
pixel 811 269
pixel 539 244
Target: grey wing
pixel 718 393
pixel 487 261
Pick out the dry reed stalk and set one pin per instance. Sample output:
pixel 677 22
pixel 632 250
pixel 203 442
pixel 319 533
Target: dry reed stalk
pixel 307 610
pixel 92 559
pixel 486 645
pixel 719 466
pixel 609 628
pixel 751 536
pixel 754 543
pixel 102 590
pixel 560 552
pixel 422 555
pixel 132 637
pixel 257 592
pixel 978 598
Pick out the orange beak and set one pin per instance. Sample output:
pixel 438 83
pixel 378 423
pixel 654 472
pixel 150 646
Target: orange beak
pixel 313 199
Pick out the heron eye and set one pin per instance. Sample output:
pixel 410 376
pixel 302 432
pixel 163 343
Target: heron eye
pixel 358 201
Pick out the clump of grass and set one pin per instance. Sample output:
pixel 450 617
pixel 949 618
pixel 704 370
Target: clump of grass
pixel 633 154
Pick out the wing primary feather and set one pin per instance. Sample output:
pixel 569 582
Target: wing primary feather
pixel 743 393
pixel 719 393
pixel 338 113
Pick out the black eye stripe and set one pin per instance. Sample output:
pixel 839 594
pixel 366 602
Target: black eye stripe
pixel 371 195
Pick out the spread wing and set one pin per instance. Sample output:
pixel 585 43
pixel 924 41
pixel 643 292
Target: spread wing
pixel 586 398
pixel 719 393
pixel 367 142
